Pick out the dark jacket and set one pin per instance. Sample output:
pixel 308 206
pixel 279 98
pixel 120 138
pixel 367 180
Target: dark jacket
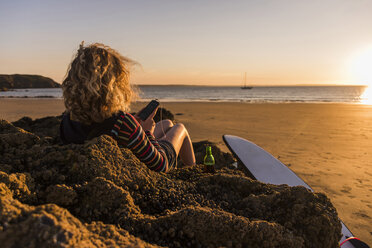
pixel 76 132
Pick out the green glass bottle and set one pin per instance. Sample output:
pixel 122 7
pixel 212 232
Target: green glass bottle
pixel 209 161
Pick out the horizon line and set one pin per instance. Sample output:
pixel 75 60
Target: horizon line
pixel 257 86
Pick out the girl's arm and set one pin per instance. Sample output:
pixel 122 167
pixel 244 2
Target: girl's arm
pixel 129 133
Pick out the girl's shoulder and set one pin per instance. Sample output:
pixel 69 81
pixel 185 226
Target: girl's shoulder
pixel 123 115
pixel 127 118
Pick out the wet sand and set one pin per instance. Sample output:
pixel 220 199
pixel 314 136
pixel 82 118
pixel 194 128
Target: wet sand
pixel 328 145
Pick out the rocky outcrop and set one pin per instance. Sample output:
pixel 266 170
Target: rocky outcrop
pixel 18 81
pixel 98 194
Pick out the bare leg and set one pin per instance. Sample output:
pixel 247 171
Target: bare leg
pixel 181 141
pixel 162 127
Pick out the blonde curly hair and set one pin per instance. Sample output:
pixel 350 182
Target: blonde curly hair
pixel 97 84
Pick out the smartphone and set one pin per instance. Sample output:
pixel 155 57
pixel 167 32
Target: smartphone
pixel 146 112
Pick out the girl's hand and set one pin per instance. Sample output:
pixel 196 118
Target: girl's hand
pixel 149 123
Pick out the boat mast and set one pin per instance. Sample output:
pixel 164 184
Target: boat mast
pixel 245 79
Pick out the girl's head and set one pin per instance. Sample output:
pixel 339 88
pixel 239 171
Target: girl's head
pixel 97 84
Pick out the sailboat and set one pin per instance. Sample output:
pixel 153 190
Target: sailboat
pixel 245 87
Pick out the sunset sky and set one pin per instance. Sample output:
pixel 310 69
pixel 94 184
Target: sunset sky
pixel 196 42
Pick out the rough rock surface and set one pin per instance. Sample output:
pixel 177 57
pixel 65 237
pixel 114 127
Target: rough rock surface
pixel 98 194
pixel 43 127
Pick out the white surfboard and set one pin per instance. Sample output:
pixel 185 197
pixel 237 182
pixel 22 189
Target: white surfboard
pixel 265 168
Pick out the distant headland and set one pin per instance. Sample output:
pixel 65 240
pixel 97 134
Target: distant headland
pixel 23 81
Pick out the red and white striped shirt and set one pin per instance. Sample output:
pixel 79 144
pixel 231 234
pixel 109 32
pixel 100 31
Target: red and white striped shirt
pixel 129 133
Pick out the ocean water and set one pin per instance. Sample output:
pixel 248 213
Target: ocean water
pixel 307 94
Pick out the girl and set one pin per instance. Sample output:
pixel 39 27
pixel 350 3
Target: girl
pixel 97 95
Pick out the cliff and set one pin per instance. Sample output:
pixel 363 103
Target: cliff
pixel 17 81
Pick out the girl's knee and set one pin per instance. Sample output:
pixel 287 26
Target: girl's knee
pixel 168 123
pixel 180 126
pixel 182 129
pixel 164 125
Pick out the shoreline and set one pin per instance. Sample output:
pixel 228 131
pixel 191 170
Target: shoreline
pixel 328 145
pixel 144 100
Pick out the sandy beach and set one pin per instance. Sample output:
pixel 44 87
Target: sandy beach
pixel 328 145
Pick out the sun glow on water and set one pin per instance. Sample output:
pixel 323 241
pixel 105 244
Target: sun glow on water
pixel 366 97
pixel 360 67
